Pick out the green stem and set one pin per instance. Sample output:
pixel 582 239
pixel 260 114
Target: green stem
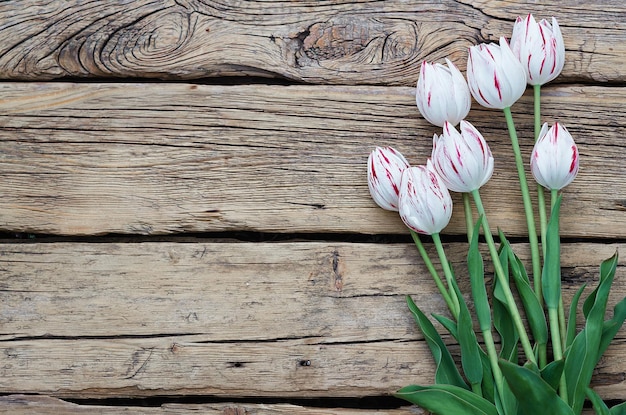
pixel 528 207
pixel 493 359
pixel 433 272
pixel 541 199
pixel 557 348
pixel 469 219
pixel 504 282
pixel 477 389
pixel 556 317
pixel 542 351
pixel 447 272
pixel 554 194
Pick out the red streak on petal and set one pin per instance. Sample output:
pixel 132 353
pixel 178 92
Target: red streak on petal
pixel 554 53
pixel 483 97
pixel 373 169
pixel 496 83
pixel 574 162
pixel 459 157
pixel 454 168
pixel 555 137
pixel 428 98
pixel 543 35
pixel 489 52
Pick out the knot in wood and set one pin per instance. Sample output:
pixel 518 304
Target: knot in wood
pixel 361 40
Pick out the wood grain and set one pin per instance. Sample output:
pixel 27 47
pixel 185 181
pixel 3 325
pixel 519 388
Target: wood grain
pixel 84 159
pixel 44 405
pixel 234 319
pixel 331 42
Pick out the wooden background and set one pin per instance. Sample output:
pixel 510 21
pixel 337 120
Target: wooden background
pixel 185 214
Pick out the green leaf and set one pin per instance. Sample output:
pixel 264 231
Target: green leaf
pixel 488 383
pixel 611 327
pixel 582 356
pixel 618 409
pixel 534 395
pixel 448 324
pixel 447 400
pixel 502 320
pixel 552 373
pixel 571 322
pixel 470 351
pixel 508 404
pixel 532 307
pixel 446 371
pixel 477 280
pixel 598 404
pixel 551 275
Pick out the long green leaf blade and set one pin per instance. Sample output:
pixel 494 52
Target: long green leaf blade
pixel 598 404
pixel 534 395
pixel 470 353
pixel 571 322
pixel 552 373
pixel 551 275
pixel 582 356
pixel 446 371
pixel 611 327
pixel 447 400
pixel 502 320
pixel 618 409
pixel 532 307
pixel 477 280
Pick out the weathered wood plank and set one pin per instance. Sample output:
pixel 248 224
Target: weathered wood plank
pixel 233 319
pixel 333 42
pixel 43 405
pixel 140 159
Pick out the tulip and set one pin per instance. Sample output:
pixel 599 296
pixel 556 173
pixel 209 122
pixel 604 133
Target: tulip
pixel 539 47
pixel 495 76
pixel 442 94
pixel 462 159
pixel 425 202
pixel 384 174
pixel 554 160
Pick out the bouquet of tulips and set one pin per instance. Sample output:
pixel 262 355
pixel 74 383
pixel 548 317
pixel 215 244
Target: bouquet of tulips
pixel 551 372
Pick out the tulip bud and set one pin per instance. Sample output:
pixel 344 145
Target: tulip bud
pixel 495 76
pixel 539 47
pixel 425 203
pixel 384 173
pixel 442 94
pixel 463 160
pixel 554 160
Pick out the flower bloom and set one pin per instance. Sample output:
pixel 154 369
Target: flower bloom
pixel 496 78
pixel 425 202
pixel 442 94
pixel 554 160
pixel 539 47
pixel 462 159
pixel 384 173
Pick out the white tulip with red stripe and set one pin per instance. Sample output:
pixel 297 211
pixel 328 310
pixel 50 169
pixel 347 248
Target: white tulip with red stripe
pixel 442 94
pixel 539 47
pixel 425 202
pixel 384 173
pixel 462 159
pixel 495 76
pixel 554 161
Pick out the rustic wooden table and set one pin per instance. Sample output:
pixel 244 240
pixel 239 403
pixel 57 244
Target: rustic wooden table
pixel 188 182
